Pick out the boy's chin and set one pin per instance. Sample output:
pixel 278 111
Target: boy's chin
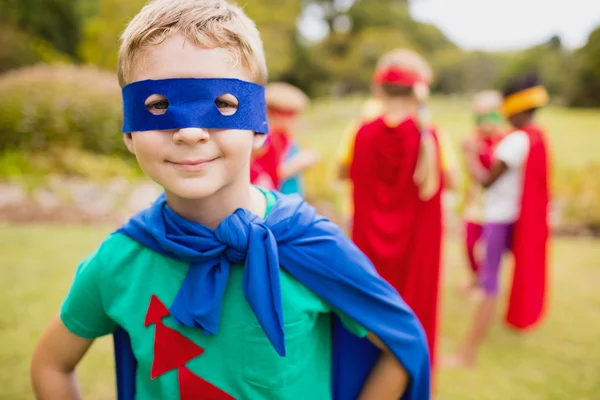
pixel 188 192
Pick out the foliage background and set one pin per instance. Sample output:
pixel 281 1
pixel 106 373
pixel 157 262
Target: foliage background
pixel 60 107
pixel 359 31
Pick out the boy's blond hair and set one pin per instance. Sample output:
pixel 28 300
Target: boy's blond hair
pixel 486 101
pixel 206 23
pixel 284 96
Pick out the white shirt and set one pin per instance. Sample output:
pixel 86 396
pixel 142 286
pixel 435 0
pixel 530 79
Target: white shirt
pixel 502 200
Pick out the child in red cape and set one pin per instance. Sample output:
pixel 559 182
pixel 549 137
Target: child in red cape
pixel 515 212
pixel 279 163
pixel 393 162
pixel 489 124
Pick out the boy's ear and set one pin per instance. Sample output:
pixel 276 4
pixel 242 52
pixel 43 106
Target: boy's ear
pixel 129 142
pixel 258 141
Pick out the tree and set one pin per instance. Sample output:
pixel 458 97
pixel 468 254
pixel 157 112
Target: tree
pixel 18 49
pixel 100 45
pixel 370 28
pixel 55 21
pixel 550 60
pixel 586 91
pixel 276 21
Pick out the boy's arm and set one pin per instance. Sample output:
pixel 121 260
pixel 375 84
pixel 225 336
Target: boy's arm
pixel 388 378
pixel 54 360
pixel 511 152
pixel 477 171
pixel 298 163
pixel 448 161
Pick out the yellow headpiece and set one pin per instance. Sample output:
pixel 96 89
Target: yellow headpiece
pixel 525 100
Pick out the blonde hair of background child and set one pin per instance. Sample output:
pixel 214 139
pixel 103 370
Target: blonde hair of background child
pixel 284 96
pixel 426 174
pixel 205 23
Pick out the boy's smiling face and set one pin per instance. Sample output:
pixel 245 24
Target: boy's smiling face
pixel 192 163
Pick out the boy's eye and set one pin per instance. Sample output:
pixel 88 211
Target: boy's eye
pixel 157 104
pixel 227 104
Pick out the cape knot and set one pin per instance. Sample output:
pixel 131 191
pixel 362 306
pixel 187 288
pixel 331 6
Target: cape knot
pixel 235 232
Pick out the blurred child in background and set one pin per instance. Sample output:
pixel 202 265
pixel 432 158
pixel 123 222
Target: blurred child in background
pixel 489 129
pixel 394 164
pixel 285 103
pixel 515 212
pixel 280 162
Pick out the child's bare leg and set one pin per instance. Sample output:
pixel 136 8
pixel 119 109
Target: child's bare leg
pixel 497 240
pixel 483 318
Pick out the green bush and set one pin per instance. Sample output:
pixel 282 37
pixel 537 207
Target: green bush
pixel 64 106
pixel 36 167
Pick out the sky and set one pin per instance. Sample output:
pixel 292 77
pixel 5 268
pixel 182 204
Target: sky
pixel 495 25
pixel 510 24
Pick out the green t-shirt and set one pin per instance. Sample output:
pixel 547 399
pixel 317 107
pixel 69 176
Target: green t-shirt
pixel 114 285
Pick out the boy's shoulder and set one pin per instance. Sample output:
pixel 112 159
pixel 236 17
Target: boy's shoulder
pixel 115 250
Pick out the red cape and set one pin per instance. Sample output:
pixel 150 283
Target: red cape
pixel 398 231
pixel 527 298
pixel 486 148
pixel 268 162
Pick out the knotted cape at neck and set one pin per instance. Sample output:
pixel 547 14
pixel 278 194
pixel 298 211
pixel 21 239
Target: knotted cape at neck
pixel 311 249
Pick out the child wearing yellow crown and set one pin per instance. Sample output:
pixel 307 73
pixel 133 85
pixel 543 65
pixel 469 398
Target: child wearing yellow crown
pixel 516 201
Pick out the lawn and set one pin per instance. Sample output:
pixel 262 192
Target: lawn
pixel 558 361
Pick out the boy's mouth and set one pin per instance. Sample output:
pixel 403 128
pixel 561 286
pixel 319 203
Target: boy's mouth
pixel 192 164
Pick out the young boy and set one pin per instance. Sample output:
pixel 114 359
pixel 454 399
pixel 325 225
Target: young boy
pixel 284 104
pixel 194 281
pixel 489 122
pixel 515 214
pixel 393 162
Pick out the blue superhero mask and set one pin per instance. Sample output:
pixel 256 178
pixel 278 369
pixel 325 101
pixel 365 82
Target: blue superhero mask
pixel 191 103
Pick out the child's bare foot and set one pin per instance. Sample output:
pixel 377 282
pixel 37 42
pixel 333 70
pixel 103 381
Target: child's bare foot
pixel 456 361
pixel 468 289
pixel 465 289
pixel 476 294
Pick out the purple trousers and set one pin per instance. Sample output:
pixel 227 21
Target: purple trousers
pixel 497 238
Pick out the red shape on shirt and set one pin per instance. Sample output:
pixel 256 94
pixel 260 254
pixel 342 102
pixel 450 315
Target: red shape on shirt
pixel 156 312
pixel 192 387
pixel 171 350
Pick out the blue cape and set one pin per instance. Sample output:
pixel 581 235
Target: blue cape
pixel 307 246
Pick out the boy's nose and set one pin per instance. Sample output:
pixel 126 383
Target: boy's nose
pixel 190 135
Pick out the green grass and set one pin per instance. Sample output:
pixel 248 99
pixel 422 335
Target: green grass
pixel 558 361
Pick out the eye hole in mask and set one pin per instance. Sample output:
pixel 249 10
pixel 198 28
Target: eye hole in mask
pixel 227 104
pixel 157 104
pixel 211 103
